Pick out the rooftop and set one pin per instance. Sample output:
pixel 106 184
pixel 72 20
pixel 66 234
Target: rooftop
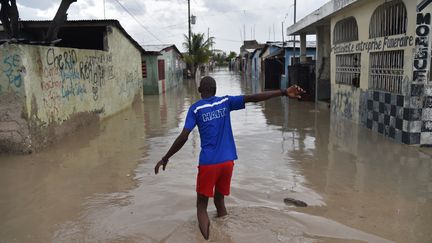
pixel 321 16
pixel 159 48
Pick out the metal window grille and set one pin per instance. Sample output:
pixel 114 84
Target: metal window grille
pixel 144 69
pixel 386 71
pixel 345 30
pixel 348 69
pixel 388 19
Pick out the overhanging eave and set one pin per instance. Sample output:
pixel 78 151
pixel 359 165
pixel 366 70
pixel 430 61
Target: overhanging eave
pixel 320 17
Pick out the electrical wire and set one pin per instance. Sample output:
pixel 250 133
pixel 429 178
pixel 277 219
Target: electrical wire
pixel 127 11
pixel 223 39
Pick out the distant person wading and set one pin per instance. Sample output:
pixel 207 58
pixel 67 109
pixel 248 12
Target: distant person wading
pixel 216 161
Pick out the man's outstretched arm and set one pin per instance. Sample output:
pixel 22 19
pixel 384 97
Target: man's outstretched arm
pixel 175 147
pixel 294 92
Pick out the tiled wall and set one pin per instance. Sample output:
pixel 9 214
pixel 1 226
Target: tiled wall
pixel 406 119
pixel 394 116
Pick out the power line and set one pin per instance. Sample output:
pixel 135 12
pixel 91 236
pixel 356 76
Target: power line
pixel 127 11
pixel 217 38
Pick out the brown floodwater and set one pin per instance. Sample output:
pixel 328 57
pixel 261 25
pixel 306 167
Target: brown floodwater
pixel 98 185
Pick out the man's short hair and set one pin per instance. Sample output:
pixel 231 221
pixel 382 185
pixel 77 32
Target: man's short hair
pixel 207 85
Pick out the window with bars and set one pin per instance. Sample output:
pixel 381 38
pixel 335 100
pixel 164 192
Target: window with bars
pixel 144 69
pixel 345 30
pixel 348 69
pixel 390 18
pixel 386 71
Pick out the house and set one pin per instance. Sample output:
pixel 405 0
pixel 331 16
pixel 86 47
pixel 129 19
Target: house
pixel 374 56
pixel 278 59
pixel 162 67
pixel 92 72
pixel 246 50
pixel 273 62
pixel 256 63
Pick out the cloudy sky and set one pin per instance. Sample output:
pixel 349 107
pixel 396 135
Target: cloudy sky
pixel 165 21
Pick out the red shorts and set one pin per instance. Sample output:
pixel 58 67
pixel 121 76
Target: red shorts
pixel 217 176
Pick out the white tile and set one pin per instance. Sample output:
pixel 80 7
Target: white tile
pixel 426 138
pixel 427 114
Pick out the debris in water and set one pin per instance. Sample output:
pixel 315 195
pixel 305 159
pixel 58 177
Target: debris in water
pixel 295 202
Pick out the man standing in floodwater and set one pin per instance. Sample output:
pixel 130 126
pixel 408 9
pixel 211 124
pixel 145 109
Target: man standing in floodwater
pixel 216 161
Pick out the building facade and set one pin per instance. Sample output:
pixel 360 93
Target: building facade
pixel 49 91
pixel 163 67
pixel 376 55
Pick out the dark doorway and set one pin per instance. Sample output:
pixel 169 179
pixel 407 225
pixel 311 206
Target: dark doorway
pixel 274 68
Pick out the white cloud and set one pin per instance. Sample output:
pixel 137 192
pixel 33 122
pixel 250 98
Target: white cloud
pixel 40 4
pixel 167 19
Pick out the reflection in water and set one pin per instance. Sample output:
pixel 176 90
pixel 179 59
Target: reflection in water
pixel 99 185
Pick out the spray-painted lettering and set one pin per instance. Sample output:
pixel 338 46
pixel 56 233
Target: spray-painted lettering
pixel 63 61
pixel 12 70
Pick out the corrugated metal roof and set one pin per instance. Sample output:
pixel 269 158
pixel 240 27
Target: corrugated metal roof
pixel 156 48
pixel 159 48
pixel 309 44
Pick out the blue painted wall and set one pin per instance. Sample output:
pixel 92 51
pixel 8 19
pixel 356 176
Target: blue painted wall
pixel 288 55
pixel 256 65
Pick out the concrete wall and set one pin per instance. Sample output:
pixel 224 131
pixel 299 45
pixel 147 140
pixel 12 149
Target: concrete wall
pixel 405 117
pixel 151 83
pixel 55 90
pixel 176 70
pixel 173 70
pixel 256 65
pixel 174 66
pixel 323 62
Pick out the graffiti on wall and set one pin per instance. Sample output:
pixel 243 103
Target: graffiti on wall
pixel 131 84
pixel 12 73
pixel 96 70
pixel 12 70
pixel 69 77
pixel 343 103
pixel 66 80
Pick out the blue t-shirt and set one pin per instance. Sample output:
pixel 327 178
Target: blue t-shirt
pixel 212 116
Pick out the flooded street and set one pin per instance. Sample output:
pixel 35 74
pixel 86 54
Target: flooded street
pixel 99 184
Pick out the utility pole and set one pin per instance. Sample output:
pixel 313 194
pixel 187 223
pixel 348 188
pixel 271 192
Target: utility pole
pixel 283 41
pixel 294 42
pixel 104 9
pixel 189 21
pixel 274 34
pixel 254 32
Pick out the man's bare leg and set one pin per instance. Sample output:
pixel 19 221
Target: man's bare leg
pixel 219 202
pixel 203 219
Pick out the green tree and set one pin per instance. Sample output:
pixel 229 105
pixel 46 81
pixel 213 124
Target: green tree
pixel 219 57
pixel 198 51
pixel 231 55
